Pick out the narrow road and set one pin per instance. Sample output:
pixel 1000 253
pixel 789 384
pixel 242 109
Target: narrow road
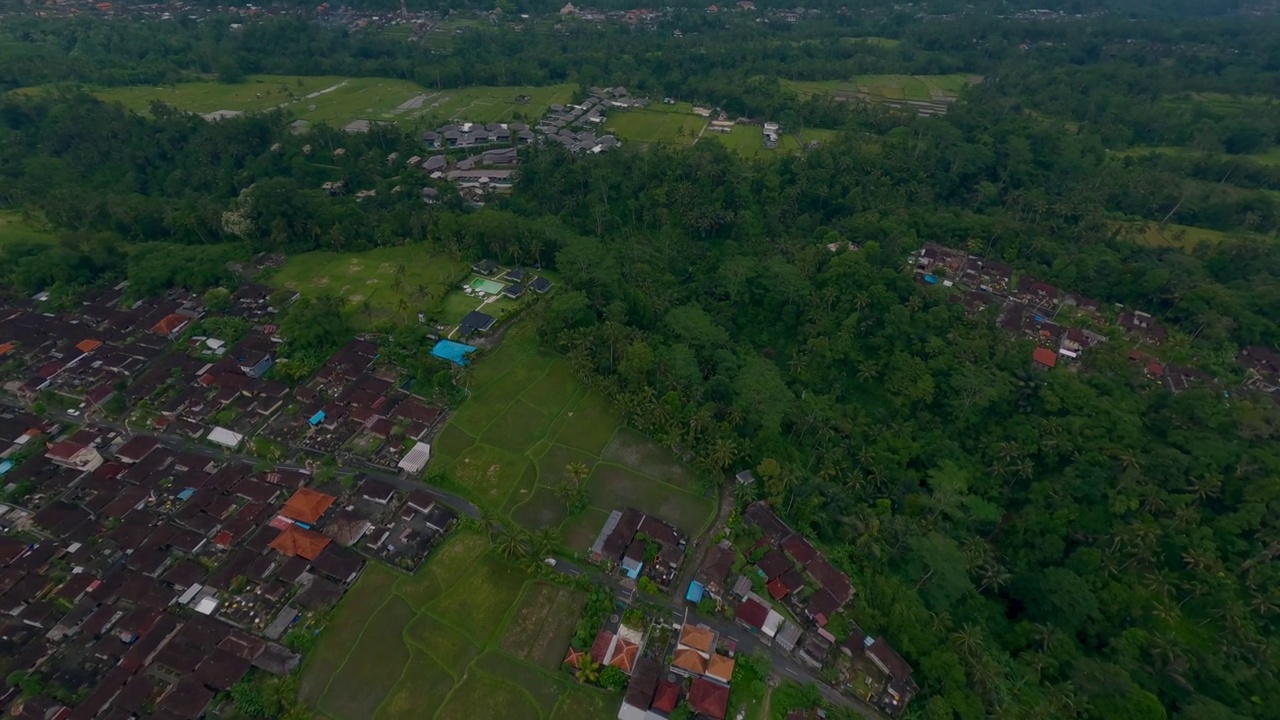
pixel 186 444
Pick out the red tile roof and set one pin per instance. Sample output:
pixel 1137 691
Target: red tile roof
pixel 297 542
pixel 307 505
pixel 573 657
pixel 777 589
pixel 169 324
pixel 752 613
pixel 1045 357
pixel 625 654
pixel 601 645
pixel 64 450
pixel 86 346
pixel 667 697
pixel 709 698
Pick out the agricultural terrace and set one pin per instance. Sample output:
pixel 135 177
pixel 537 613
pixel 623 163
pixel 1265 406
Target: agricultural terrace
pixel 339 100
pixel 1186 237
pixel 655 125
pixel 879 88
pixel 527 419
pixel 466 636
pixel 392 283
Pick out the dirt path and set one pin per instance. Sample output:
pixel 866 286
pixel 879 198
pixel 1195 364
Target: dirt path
pixel 698 549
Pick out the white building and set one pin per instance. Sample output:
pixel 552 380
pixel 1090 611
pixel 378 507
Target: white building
pixel 416 461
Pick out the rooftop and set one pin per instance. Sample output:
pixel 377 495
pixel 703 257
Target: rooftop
pixel 298 542
pixel 307 505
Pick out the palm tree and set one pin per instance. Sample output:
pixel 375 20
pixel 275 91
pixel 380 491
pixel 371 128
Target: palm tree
pixel 576 472
pixel 403 307
pixel 588 671
pixel 512 543
pixel 545 541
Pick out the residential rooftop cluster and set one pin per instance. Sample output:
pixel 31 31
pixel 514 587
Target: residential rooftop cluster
pixel 640 546
pixel 786 592
pixel 1039 311
pixel 137 576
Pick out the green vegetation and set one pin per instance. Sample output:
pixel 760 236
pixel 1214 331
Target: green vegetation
pixel 466 631
pixel 748 140
pixel 655 126
pixel 527 414
pixel 339 100
pixel 14 227
pixel 888 87
pixel 392 283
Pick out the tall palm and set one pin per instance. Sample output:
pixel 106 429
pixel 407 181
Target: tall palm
pixel 512 543
pixel 588 671
pixel 545 541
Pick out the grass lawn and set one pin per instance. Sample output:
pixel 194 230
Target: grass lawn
pixel 748 140
pixel 888 87
pixel 531 414
pixel 652 126
pixel 398 646
pixel 339 100
pixel 1186 237
pixel 371 275
pixel 14 227
pixel 872 40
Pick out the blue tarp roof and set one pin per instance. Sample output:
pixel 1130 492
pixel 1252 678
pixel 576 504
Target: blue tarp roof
pixel 317 418
pixel 186 494
pixel 6 466
pixel 454 352
pixel 695 592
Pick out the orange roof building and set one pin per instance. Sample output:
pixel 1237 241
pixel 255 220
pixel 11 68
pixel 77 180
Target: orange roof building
pixel 720 668
pixel 573 658
pixel 698 638
pixel 170 324
pixel 88 346
pixel 1045 357
pixel 6 348
pixel 307 505
pixel 625 654
pixel 298 542
pixel 689 661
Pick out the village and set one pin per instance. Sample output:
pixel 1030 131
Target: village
pixel 1065 325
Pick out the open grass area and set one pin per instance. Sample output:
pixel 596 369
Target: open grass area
pixel 374 276
pixel 1267 157
pixel 872 40
pixel 888 87
pixel 1186 237
pixel 465 636
pixel 339 100
pixel 748 140
pixel 654 126
pixel 528 418
pixel 16 228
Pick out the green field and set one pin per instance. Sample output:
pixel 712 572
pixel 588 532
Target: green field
pixel 465 636
pixel 14 227
pixel 653 126
pixel 872 40
pixel 748 140
pixel 372 275
pixel 888 87
pixel 528 418
pixel 339 100
pixel 1267 157
pixel 1186 237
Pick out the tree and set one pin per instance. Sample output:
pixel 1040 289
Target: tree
pixel 588 671
pixel 612 678
pixel 512 543
pixel 316 324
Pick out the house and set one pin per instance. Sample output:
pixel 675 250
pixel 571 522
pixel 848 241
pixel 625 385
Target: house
pixel 709 698
pixel 171 326
pixel 255 360
pixel 698 639
pixel 720 668
pixel 416 460
pixel 307 506
pixel 136 449
pixel 900 688
pixel 1143 325
pixel 514 275
pixel 513 291
pixel 378 491
pixel 224 437
pixel 74 456
pixel 664 700
pixel 640 691
pixel 295 541
pixel 540 285
pixel 1044 357
pixel 751 614
pixel 475 322
pixel 814 650
pixel 1263 365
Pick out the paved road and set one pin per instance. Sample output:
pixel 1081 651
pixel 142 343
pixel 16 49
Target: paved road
pixel 185 444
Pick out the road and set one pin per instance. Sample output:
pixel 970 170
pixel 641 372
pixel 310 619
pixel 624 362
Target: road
pixel 185 444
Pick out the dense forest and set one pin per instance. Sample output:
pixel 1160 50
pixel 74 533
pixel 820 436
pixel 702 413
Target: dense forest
pixel 1070 544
